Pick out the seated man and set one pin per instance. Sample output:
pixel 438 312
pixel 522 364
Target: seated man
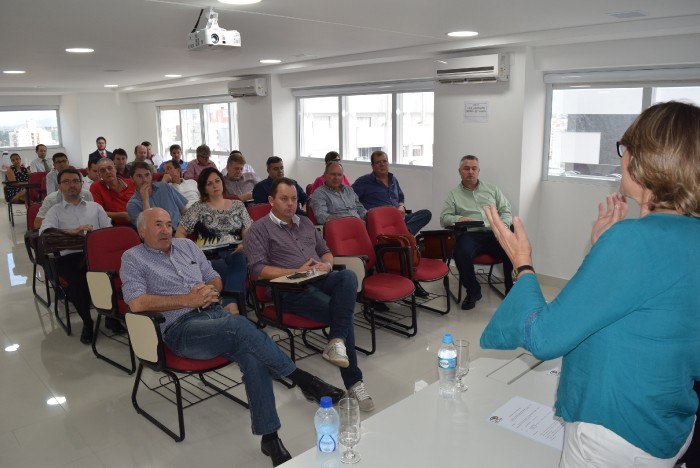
pixel 239 183
pixel 465 203
pixel 93 175
pixel 334 199
pixel 149 194
pixel 112 192
pixel 175 156
pixel 75 216
pixel 283 243
pixel 54 199
pixel 173 276
pixel 120 157
pixel 40 164
pixel 140 155
pixel 381 188
pixel 201 162
pixel 187 188
pixel 275 170
pixel 60 162
pixel 331 156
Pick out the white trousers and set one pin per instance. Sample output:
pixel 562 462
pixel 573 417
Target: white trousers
pixel 591 445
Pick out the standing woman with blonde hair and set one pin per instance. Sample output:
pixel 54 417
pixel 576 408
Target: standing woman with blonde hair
pixel 628 323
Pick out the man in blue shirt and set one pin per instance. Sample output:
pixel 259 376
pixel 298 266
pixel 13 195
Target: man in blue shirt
pixel 150 194
pixel 381 188
pixel 175 155
pixel 275 170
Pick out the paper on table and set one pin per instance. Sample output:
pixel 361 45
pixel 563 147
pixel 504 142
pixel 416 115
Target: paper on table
pixel 533 420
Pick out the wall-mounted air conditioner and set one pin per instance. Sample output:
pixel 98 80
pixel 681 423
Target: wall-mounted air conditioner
pixel 477 69
pixel 245 88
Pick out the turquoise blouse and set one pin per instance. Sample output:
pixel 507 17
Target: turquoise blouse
pixel 628 327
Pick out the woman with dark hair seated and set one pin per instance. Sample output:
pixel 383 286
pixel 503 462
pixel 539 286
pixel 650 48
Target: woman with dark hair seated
pixel 16 173
pixel 628 323
pixel 220 220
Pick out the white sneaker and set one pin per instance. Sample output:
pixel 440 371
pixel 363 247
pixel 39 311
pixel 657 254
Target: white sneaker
pixel 336 354
pixel 359 392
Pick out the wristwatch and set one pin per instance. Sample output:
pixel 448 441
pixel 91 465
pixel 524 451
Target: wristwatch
pixel 520 269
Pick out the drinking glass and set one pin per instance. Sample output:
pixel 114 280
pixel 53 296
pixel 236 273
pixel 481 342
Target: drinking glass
pixel 349 429
pixel 462 347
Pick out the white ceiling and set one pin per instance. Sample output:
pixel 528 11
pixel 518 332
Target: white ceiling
pixel 136 42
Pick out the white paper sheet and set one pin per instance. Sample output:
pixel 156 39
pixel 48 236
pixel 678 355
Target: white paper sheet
pixel 532 420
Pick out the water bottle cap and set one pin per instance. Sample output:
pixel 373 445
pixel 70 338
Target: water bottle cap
pixel 326 402
pixel 447 338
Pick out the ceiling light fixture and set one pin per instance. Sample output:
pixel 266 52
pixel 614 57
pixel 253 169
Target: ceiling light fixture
pixel 111 86
pixel 59 400
pixel 14 72
pixel 239 2
pixel 79 50
pixel 12 348
pixel 462 33
pixel 270 61
pixel 173 76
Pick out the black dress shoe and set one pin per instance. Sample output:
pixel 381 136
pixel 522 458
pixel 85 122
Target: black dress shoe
pixel 86 335
pixel 276 451
pixel 380 306
pixel 115 326
pixel 420 292
pixel 469 302
pixel 317 388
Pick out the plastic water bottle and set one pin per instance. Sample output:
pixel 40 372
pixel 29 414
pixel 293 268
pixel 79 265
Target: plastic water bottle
pixel 326 422
pixel 447 366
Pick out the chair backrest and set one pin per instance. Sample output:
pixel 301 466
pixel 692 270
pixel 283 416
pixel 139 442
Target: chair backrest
pixel 258 211
pixel 157 176
pixel 385 220
pixel 310 214
pixel 83 172
pixel 36 178
pixel 31 215
pixel 104 247
pixel 232 196
pixel 348 236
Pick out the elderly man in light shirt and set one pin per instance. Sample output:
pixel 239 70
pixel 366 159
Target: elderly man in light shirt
pixel 74 215
pixel 334 199
pixel 465 203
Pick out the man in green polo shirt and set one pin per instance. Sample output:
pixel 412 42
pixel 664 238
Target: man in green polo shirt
pixel 465 203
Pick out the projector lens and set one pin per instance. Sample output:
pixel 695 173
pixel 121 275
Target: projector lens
pixel 214 38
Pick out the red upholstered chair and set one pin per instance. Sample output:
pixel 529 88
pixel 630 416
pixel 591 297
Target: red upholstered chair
pixel 259 210
pixel 484 277
pixel 184 382
pixel 156 176
pixel 30 242
pixel 58 284
pixel 103 252
pixel 37 194
pixel 269 311
pixel 350 244
pixel 390 220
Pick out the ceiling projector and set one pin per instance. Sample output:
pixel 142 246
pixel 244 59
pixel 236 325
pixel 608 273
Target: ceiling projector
pixel 212 35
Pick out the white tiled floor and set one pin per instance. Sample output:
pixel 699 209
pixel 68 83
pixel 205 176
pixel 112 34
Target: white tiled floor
pixel 97 425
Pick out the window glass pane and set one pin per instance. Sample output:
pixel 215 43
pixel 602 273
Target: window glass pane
pixel 367 126
pixel 415 128
pixel 191 124
pixel 319 126
pixel 217 131
pixel 22 129
pixel 585 125
pixel 689 94
pixel 170 130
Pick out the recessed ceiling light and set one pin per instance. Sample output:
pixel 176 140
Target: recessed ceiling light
pixel 173 76
pixel 239 2
pixel 270 61
pixel 111 86
pixel 462 33
pixel 12 348
pixel 80 50
pixel 59 400
pixel 14 72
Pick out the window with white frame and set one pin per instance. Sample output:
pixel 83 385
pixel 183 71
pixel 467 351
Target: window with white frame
pixel 190 125
pixel 585 120
pixel 22 128
pixel 357 124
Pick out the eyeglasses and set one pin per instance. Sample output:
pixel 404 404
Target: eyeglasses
pixel 620 149
pixel 71 182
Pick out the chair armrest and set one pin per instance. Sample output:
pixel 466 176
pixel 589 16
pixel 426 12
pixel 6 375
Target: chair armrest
pixel 358 264
pixel 240 299
pixel 406 265
pixel 441 236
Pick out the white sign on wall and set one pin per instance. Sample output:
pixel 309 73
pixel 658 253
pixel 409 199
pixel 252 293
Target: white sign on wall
pixel 476 111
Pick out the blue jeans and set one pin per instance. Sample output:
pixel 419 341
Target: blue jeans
pixel 215 332
pixel 417 220
pixel 331 300
pixel 468 246
pixel 233 268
